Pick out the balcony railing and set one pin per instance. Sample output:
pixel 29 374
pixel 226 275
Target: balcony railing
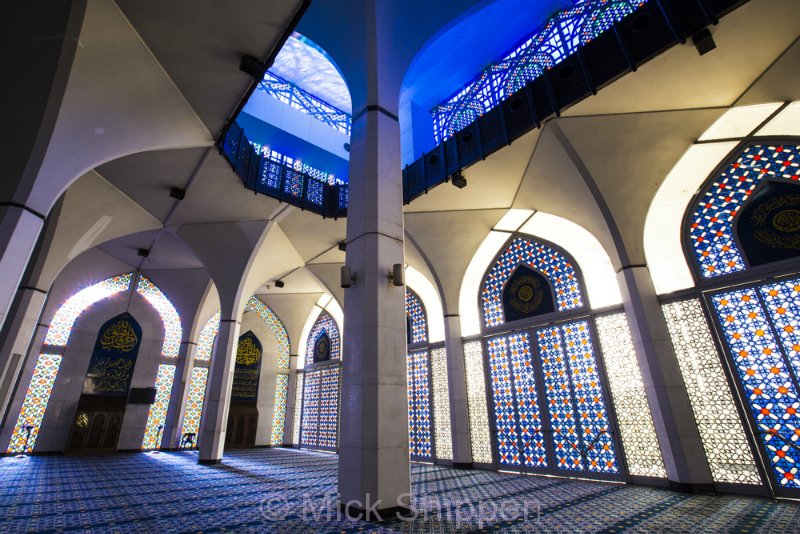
pixel 623 47
pixel 280 181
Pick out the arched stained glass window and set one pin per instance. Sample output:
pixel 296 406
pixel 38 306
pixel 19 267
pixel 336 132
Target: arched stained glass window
pixel 711 230
pixel 417 318
pixel 547 386
pixel 552 264
pixel 429 432
pixel 38 394
pixel 747 215
pixel 319 423
pixel 325 325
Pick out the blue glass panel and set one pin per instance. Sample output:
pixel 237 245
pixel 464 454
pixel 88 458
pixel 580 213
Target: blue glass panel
pixel 592 415
pixel 762 368
pixel 419 406
pixel 711 229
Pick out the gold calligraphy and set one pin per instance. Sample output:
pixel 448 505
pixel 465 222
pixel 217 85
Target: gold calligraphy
pixel 776 222
pixel 526 294
pixel 119 336
pixel 110 375
pixel 247 353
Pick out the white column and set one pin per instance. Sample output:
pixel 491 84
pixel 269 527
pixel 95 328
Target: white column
pixel 373 453
pixel 678 436
pixel 457 384
pixel 218 393
pixel 177 404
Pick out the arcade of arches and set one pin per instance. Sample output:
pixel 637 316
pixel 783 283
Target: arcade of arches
pixel 612 301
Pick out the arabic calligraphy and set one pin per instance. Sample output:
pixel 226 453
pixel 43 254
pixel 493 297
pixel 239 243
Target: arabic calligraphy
pixel 119 336
pixel 247 353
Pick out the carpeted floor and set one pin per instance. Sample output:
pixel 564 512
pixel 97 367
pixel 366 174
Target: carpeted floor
pixel 280 490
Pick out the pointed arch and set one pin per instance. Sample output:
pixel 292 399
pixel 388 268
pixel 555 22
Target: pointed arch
pixel 544 258
pixel 57 337
pixel 599 279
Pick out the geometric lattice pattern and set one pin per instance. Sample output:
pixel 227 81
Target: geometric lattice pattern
pixel 158 410
pixel 590 406
pixel 329 407
pixel 563 34
pixel 419 406
pixel 320 419
pixel 634 419
pixel 279 410
pixel 480 437
pixel 64 319
pixel 276 326
pixel 441 405
pixel 711 228
pixel 520 438
pixel 549 262
pixel 559 401
pixel 35 403
pixel 721 431
pixel 298 408
pixel 323 325
pixel 168 313
pixel 205 343
pixel 194 401
pixel 572 394
pixel 293 96
pixel 310 423
pixel 416 315
pixel 750 319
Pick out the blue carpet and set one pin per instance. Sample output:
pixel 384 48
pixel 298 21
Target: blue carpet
pixel 280 490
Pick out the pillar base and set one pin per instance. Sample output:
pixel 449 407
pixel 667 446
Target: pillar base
pixel 212 461
pixel 375 515
pixel 692 488
pixel 463 465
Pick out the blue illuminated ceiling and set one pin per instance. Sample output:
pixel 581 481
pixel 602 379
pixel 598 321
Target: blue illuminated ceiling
pixel 304 64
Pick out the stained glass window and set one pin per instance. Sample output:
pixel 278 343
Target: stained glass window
pixel 279 410
pixel 544 259
pixel 205 345
pixel 634 419
pixel 276 326
pixel 441 404
pixel 416 315
pixel 169 316
pixel 46 370
pixel 419 409
pixel 324 325
pixel 64 319
pixel 564 33
pixel 320 421
pixel 476 403
pixel 711 229
pixel 721 431
pixel 310 424
pixel 158 410
pixel 590 405
pixel 35 403
pixel 298 408
pixel 759 328
pixel 194 400
pixel 520 441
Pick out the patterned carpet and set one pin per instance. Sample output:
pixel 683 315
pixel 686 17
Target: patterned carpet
pixel 280 490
